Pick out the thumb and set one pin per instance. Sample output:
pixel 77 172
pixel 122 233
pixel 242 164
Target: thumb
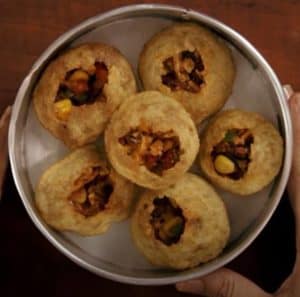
pixel 222 283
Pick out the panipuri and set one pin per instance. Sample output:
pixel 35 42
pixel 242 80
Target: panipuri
pixel 81 193
pixel 78 92
pixel 182 226
pixel 190 64
pixel 241 152
pixel 151 140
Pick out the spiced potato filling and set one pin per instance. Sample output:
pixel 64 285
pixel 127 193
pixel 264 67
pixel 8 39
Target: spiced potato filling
pixel 158 151
pixel 184 72
pixel 94 194
pixel 167 220
pixel 80 87
pixel 231 156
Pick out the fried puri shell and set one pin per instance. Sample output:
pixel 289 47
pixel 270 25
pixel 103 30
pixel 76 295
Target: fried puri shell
pixel 206 225
pixel 151 114
pixel 264 156
pixel 86 121
pixel 167 64
pixel 58 187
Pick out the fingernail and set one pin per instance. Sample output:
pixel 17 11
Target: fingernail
pixel 288 91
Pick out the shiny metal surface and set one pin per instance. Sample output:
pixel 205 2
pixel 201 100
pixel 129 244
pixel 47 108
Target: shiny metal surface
pixel 18 147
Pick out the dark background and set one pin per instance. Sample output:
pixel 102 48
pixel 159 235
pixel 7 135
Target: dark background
pixel 29 264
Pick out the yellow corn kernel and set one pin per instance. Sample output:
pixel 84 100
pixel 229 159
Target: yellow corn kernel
pixel 62 109
pixel 224 165
pixel 79 75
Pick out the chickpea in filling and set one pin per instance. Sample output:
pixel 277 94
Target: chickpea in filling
pixel 167 220
pixel 94 194
pixel 184 72
pixel 80 87
pixel 231 157
pixel 158 151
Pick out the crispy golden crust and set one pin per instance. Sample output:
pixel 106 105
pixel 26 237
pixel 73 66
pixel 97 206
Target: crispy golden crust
pixel 206 228
pixel 160 113
pixel 57 183
pixel 87 121
pixel 218 74
pixel 265 157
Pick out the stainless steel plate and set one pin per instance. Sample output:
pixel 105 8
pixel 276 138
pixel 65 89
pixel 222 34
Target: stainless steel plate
pixel 32 149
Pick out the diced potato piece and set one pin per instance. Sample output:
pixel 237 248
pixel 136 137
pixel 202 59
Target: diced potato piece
pixel 92 197
pixel 78 86
pixel 188 65
pixel 62 109
pixel 224 165
pixel 167 216
pixel 146 140
pixel 163 236
pixel 173 226
pixel 86 176
pixel 168 144
pixel 156 148
pixel 79 75
pixel 79 196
